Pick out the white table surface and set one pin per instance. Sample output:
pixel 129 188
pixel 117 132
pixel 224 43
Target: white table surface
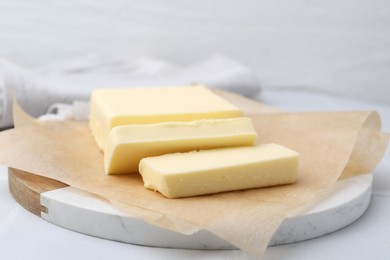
pixel 26 236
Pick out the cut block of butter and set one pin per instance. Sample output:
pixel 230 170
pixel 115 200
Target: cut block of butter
pixel 127 145
pixel 122 106
pixel 218 170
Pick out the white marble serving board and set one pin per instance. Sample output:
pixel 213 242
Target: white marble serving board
pixel 80 211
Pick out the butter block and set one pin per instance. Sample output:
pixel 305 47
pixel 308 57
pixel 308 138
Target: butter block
pixel 218 170
pixel 127 145
pixel 122 106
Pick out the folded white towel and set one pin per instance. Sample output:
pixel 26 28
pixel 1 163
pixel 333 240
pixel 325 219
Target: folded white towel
pixel 34 93
pixel 46 91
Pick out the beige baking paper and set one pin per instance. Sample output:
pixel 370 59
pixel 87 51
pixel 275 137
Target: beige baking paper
pixel 331 144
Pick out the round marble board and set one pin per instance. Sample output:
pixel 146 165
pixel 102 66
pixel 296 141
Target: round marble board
pixel 81 211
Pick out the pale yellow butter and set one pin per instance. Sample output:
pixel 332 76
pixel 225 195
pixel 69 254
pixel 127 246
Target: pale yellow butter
pixel 127 145
pixel 122 106
pixel 211 171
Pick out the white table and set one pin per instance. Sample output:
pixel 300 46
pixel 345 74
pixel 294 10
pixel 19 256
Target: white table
pixel 26 236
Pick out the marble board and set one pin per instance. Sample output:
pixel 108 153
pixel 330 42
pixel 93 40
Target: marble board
pixel 86 213
pixel 83 212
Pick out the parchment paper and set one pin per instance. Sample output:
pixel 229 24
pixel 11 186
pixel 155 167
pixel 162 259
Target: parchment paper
pixel 331 145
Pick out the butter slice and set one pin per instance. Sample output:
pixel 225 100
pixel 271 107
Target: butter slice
pixel 127 145
pixel 122 106
pixel 211 171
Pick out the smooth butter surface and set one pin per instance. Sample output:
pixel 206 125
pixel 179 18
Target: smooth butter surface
pixel 211 171
pixel 127 145
pixel 114 107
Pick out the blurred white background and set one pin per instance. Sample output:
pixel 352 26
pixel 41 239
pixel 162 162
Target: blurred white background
pixel 334 46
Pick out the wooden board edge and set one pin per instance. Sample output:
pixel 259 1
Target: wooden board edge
pixel 26 189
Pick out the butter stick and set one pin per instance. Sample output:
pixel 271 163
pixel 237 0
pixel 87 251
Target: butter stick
pixel 127 145
pixel 212 171
pixel 122 106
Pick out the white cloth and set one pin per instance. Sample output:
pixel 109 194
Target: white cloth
pixel 71 82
